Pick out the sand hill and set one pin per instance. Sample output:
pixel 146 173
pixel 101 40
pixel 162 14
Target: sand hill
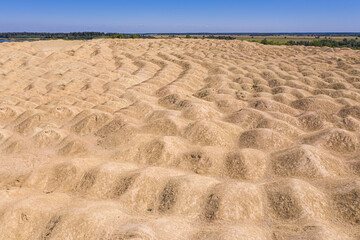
pixel 178 139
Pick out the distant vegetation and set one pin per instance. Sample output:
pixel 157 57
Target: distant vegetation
pixel 133 36
pixel 310 34
pixel 350 43
pixel 350 40
pixel 68 36
pixel 209 37
pixel 221 37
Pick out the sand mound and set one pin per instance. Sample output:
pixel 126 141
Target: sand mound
pixel 313 104
pixel 246 164
pixel 178 139
pixel 335 140
pixel 347 203
pixel 306 161
pixel 208 133
pixel 90 123
pixel 233 202
pixel 295 200
pixel 263 139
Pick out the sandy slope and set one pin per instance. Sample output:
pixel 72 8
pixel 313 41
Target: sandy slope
pixel 178 139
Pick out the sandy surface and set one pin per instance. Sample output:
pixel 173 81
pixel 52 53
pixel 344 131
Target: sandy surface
pixel 178 139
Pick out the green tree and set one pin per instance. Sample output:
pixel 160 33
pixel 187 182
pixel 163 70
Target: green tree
pixel 264 41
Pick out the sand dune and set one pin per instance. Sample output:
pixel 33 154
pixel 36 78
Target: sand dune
pixel 178 139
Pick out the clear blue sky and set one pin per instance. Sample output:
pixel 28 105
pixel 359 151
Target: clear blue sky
pixel 134 16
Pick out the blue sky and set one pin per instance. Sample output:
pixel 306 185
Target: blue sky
pixel 136 16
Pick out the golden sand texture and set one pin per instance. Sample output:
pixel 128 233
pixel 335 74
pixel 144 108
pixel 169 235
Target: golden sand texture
pixel 178 139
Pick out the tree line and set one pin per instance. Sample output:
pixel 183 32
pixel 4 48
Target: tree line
pixel 221 37
pixel 211 37
pixel 349 43
pixel 68 36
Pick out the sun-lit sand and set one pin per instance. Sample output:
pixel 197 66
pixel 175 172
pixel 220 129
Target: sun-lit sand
pixel 178 139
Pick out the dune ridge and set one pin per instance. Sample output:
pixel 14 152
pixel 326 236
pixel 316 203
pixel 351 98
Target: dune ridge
pixel 178 139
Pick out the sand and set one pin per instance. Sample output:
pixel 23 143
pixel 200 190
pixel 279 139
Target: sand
pixel 178 139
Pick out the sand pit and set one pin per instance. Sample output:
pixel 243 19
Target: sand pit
pixel 178 139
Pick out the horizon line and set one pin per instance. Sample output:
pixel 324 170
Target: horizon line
pixel 301 32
